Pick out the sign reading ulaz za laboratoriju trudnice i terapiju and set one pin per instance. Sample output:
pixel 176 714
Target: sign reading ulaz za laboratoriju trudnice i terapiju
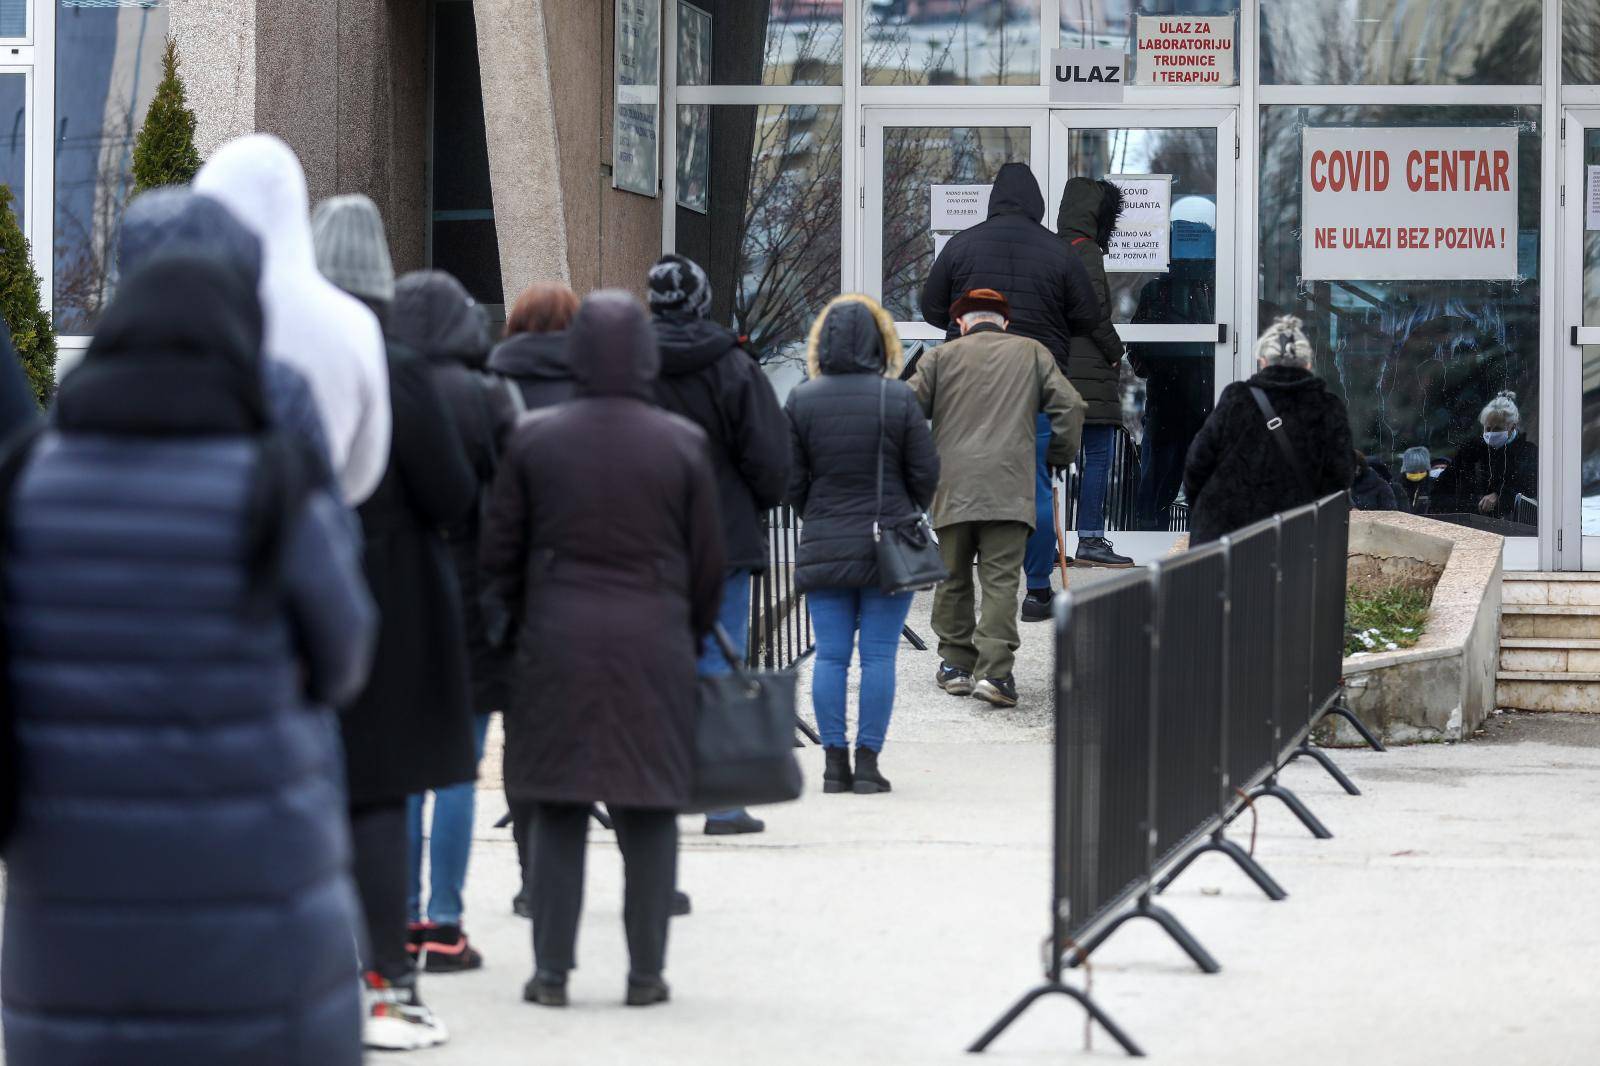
pixel 1416 203
pixel 1176 50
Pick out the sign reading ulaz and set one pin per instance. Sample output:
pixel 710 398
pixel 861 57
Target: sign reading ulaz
pixel 1413 203
pixel 1087 75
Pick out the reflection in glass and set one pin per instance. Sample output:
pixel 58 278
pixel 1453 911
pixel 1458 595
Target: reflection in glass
pixel 914 159
pixel 1114 23
pixel 1590 470
pixel 1580 43
pixel 769 238
pixel 14 142
pixel 464 239
pixel 1416 361
pixel 951 42
pixel 780 42
pixel 13 18
pixel 108 62
pixel 1166 387
pixel 1400 42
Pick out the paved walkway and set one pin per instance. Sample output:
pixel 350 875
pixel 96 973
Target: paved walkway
pixel 1451 921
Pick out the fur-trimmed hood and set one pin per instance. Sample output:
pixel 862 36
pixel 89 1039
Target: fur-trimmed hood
pixel 854 335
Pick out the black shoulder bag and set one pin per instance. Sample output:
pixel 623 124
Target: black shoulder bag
pixel 744 737
pixel 908 552
pixel 1285 445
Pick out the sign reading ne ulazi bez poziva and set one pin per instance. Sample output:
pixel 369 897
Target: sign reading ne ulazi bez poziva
pixel 1414 203
pixel 1174 50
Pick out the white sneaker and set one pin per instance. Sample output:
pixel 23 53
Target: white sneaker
pixel 397 1020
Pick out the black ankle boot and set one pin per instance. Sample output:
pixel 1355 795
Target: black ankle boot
pixel 836 776
pixel 867 779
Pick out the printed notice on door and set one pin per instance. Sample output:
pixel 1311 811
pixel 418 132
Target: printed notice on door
pixel 959 206
pixel 1141 241
pixel 1591 202
pixel 1419 203
pixel 1175 50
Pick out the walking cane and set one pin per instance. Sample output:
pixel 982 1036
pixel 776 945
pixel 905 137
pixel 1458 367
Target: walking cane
pixel 1061 544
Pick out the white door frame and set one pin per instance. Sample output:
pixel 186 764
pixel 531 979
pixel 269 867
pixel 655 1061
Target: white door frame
pixel 1224 333
pixel 1565 394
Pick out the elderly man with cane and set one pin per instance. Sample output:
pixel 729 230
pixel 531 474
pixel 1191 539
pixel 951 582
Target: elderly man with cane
pixel 984 392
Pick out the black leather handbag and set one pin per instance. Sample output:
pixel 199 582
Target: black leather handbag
pixel 744 738
pixel 908 551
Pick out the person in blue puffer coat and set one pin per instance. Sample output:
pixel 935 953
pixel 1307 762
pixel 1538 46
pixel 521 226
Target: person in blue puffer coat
pixel 181 607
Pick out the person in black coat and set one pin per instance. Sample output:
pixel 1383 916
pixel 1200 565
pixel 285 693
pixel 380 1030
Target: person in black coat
pixel 1236 474
pixel 851 422
pixel 1490 472
pixel 182 607
pixel 411 729
pixel 1371 491
pixel 613 557
pixel 1052 301
pixel 19 409
pixel 709 379
pixel 533 356
pixel 435 317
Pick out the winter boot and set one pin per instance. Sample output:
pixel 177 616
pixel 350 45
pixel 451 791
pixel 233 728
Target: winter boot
pixel 645 991
pixel 1097 551
pixel 1036 605
pixel 868 780
pixel 548 988
pixel 836 776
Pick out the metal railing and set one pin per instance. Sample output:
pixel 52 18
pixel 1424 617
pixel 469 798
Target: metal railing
pixel 1182 689
pixel 780 617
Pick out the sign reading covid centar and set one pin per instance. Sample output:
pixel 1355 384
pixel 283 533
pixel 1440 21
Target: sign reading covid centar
pixel 1417 203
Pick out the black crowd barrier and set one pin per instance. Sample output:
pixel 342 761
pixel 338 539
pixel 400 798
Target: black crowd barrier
pixel 780 618
pixel 1182 689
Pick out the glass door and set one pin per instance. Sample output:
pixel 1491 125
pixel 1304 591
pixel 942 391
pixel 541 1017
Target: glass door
pixel 928 175
pixel 1578 367
pixel 1171 276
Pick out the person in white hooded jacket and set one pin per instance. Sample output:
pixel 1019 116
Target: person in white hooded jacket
pixel 328 336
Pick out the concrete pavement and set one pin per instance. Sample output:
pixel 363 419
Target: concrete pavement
pixel 1451 921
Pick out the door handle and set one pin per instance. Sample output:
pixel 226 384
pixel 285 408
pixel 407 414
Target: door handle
pixel 1222 333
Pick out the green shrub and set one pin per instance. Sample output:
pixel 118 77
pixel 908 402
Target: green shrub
pixel 165 154
pixel 32 333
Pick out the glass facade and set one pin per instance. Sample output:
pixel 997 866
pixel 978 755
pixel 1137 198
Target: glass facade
pixel 13 19
pixel 14 146
pixel 1115 23
pixel 951 42
pixel 462 236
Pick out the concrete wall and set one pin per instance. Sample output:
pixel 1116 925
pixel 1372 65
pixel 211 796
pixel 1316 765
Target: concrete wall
pixel 217 48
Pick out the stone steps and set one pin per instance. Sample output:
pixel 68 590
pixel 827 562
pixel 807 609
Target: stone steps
pixel 1549 642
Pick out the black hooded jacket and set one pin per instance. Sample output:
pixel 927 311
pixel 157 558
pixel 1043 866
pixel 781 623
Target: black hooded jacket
pixel 836 431
pixel 1236 475
pixel 708 379
pixel 1050 294
pixel 1087 216
pixel 538 364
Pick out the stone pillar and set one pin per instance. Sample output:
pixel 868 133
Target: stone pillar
pixel 525 159
pixel 217 50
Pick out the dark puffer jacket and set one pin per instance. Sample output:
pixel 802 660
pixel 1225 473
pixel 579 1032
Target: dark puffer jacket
pixel 177 888
pixel 708 379
pixel 612 555
pixel 1370 492
pixel 1087 216
pixel 1051 297
pixel 1479 471
pixel 433 315
pixel 854 354
pixel 539 366
pixel 1236 475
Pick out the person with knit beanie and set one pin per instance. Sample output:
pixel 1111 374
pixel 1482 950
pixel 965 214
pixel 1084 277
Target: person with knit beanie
pixel 411 729
pixel 708 377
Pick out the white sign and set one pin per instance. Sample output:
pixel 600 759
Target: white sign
pixel 1139 244
pixel 939 241
pixel 1179 50
pixel 635 155
pixel 1416 203
pixel 1087 75
pixel 958 206
pixel 1591 184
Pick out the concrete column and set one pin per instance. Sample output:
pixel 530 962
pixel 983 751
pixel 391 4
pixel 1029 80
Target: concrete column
pixel 525 154
pixel 217 49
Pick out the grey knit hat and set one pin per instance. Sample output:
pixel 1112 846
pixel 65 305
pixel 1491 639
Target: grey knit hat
pixel 352 251
pixel 1416 460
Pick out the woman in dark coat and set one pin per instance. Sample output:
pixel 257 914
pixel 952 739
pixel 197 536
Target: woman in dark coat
pixel 534 354
pixel 182 607
pixel 1236 474
pixel 1489 473
pixel 614 557
pixel 836 427
pixel 1371 491
pixel 434 316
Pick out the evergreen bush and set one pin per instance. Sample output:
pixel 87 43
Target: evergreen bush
pixel 165 153
pixel 32 333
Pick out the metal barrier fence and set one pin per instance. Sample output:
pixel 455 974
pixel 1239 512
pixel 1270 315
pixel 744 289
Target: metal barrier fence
pixel 1182 689
pixel 780 617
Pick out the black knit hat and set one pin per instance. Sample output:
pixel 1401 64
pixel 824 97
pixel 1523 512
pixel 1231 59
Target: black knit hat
pixel 679 287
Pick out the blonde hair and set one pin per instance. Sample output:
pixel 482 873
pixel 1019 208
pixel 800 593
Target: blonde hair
pixel 1502 409
pixel 1284 344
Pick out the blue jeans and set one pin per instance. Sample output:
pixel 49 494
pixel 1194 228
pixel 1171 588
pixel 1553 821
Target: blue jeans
pixel 844 618
pixel 1039 561
pixel 1094 464
pixel 734 616
pixel 449 845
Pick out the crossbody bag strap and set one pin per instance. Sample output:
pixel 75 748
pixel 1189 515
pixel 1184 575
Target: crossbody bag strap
pixel 883 396
pixel 1285 445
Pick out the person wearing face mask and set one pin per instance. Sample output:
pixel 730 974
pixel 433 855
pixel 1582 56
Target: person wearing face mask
pixel 1489 473
pixel 1414 482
